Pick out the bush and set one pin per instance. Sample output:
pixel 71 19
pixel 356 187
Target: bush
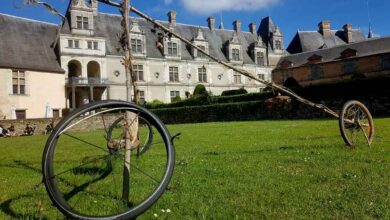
pixel 234 92
pixel 176 99
pixel 200 90
pixel 154 103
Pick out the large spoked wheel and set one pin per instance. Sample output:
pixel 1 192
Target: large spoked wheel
pixel 85 179
pixel 116 137
pixel 356 124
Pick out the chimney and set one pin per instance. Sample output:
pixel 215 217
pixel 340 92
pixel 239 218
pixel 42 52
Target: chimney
pixel 324 28
pixel 172 18
pixel 237 26
pixel 211 23
pixel 348 33
pixel 252 28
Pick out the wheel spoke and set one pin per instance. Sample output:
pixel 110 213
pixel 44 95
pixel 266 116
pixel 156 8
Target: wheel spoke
pixel 86 142
pixel 78 161
pixel 120 157
pixel 73 168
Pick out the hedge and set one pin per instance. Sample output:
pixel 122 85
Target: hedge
pixel 243 111
pixel 210 100
pixel 234 92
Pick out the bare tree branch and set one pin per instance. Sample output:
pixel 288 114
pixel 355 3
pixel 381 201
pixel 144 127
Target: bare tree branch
pixel 46 5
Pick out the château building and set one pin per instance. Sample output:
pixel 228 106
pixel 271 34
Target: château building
pixel 333 56
pixel 84 63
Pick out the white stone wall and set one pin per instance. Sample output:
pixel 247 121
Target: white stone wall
pixel 41 88
pixel 156 74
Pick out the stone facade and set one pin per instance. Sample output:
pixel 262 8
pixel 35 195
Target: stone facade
pixel 165 66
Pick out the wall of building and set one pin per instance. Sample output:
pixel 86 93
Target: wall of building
pixel 342 70
pixel 42 88
pixel 157 86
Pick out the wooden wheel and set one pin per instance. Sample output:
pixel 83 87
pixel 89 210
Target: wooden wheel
pixel 356 124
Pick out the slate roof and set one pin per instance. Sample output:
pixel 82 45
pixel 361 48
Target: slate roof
pixel 363 48
pixel 27 44
pixel 305 41
pixel 108 26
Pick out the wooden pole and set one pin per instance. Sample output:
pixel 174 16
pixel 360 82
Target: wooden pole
pixel 131 127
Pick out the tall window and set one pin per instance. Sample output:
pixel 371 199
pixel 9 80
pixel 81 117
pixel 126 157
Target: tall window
pixel 200 54
pixel 136 45
pixel 85 23
pixel 79 22
pixel 236 54
pixel 18 82
pixel 237 78
pixel 139 72
pixel 70 43
pixel 174 94
pixel 172 49
pixel 82 22
pixel 202 74
pixel 260 58
pixel 278 45
pixel 261 76
pixel 76 44
pixel 173 74
pixel 141 96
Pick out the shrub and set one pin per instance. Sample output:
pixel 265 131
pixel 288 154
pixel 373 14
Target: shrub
pixel 234 92
pixel 200 90
pixel 176 99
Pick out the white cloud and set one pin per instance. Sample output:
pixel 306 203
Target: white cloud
pixel 212 6
pixel 167 2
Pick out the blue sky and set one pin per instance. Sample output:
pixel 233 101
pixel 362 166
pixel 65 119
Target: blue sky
pixel 290 15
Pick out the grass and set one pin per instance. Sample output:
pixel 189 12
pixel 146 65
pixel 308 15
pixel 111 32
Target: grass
pixel 240 170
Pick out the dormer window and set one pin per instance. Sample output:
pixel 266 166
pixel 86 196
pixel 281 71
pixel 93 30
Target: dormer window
pixel 200 54
pixel 315 59
pixel 137 40
pixel 348 53
pixel 136 45
pixel 236 54
pixel 82 23
pixel 234 49
pixel 278 45
pixel 201 42
pixel 260 58
pixel 172 49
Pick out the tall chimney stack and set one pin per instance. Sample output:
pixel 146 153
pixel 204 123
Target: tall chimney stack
pixel 211 23
pixel 324 28
pixel 172 18
pixel 237 25
pixel 252 28
pixel 348 33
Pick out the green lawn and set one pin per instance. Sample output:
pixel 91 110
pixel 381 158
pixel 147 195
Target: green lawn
pixel 240 170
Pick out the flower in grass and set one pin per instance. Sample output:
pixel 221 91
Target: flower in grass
pixel 155 215
pixel 162 210
pixel 168 210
